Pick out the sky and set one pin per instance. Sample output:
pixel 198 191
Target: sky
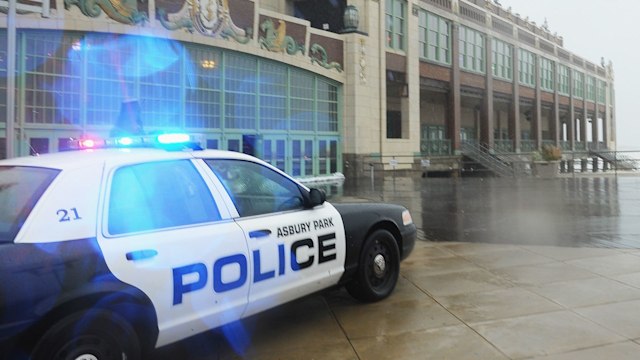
pixel 593 29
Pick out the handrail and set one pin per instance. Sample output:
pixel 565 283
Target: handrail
pixel 482 154
pixel 620 161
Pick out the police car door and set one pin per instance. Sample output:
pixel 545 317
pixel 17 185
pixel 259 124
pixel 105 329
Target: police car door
pixel 293 251
pixel 165 233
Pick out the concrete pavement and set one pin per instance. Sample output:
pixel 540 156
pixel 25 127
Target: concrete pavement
pixel 458 301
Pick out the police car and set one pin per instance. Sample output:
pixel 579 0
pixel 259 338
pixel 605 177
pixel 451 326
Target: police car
pixel 109 253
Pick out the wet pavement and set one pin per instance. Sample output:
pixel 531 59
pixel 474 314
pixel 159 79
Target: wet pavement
pixel 594 211
pixel 519 269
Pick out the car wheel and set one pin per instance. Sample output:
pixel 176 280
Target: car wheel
pixel 378 269
pixel 89 335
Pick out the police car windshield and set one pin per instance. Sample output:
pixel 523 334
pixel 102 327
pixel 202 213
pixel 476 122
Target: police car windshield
pixel 20 189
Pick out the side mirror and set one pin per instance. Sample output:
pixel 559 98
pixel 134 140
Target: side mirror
pixel 316 197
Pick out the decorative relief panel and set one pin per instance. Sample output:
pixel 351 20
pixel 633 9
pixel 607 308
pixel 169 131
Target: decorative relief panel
pixel 123 11
pixel 276 39
pixel 207 17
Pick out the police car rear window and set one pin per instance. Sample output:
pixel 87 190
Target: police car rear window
pixel 20 189
pixel 159 195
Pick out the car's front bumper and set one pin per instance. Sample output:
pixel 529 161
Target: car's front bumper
pixel 409 235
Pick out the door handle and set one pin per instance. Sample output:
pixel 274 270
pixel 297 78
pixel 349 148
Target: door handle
pixel 141 254
pixel 259 233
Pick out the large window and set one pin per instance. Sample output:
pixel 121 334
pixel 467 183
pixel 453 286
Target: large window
pixel 527 63
pixel 111 60
pixel 547 74
pixel 434 38
pixel 79 82
pixel 563 80
pixel 591 88
pixel 602 91
pixel 327 111
pixel 578 84
pixel 471 50
pixel 52 74
pixel 273 87
pixel 160 78
pixel 302 96
pixel 395 23
pixel 394 125
pixel 203 95
pixel 240 91
pixel 502 59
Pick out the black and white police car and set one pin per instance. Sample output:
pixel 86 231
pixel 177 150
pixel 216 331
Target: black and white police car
pixel 109 253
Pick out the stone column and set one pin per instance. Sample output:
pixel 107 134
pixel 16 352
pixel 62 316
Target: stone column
pixel 487 118
pixel 571 125
pixel 455 103
pixel 554 127
pixel 536 122
pixel 514 111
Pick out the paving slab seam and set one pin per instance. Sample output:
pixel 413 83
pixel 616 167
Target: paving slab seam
pixel 344 332
pixel 458 318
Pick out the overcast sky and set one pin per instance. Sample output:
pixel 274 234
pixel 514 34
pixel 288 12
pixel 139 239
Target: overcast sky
pixel 593 29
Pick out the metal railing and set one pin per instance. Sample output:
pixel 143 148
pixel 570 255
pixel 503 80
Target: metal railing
pixel 503 145
pixel 482 155
pixel 528 145
pixel 616 160
pixel 433 147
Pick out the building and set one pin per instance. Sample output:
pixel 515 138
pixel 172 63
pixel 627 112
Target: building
pixel 314 87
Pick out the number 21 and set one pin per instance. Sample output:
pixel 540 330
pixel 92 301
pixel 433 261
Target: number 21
pixel 68 215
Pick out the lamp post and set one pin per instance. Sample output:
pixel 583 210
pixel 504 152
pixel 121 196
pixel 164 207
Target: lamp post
pixel 351 19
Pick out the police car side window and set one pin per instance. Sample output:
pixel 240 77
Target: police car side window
pixel 256 189
pixel 158 195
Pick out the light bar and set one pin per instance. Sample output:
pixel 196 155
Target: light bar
pixel 173 138
pixel 169 141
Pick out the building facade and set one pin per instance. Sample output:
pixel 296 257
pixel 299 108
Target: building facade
pixel 295 83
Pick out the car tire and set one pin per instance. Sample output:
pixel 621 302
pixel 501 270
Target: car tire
pixel 89 335
pixel 378 269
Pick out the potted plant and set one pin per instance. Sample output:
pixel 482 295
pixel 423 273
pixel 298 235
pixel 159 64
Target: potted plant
pixel 546 161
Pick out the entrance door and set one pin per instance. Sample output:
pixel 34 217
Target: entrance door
pixel 233 142
pixel 274 152
pixel 327 156
pixel 46 141
pixel 302 155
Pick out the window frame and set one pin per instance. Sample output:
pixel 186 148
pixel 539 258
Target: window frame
pixel 564 81
pixel 502 59
pixel 471 50
pixel 578 84
pixel 547 73
pixel 441 35
pixel 527 61
pixel 396 24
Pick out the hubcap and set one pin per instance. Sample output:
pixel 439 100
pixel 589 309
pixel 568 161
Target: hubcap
pixel 87 357
pixel 379 265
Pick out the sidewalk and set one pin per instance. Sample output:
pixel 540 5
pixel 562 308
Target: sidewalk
pixel 460 301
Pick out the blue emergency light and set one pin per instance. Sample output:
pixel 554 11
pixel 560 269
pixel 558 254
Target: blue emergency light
pixel 168 141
